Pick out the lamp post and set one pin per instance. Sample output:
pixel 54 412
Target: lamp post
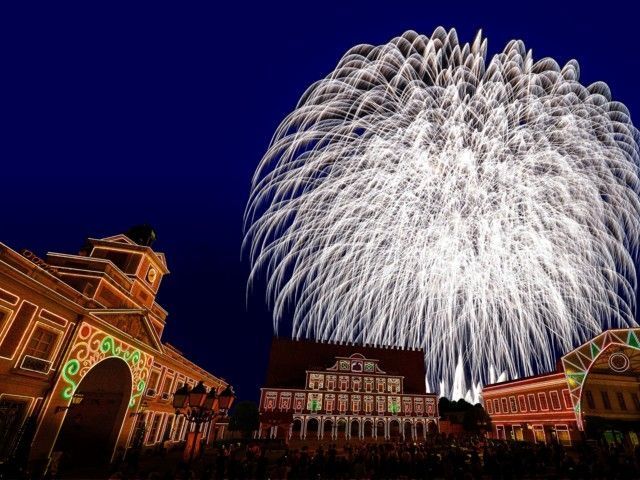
pixel 200 408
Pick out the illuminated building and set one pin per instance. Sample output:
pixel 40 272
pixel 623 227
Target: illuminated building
pixel 339 392
pixel 82 364
pixel 593 394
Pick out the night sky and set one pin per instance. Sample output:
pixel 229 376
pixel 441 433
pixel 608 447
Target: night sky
pixel 119 115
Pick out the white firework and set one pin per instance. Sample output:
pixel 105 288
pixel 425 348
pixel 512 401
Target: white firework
pixel 420 196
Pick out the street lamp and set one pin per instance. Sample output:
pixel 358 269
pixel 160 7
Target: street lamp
pixel 200 407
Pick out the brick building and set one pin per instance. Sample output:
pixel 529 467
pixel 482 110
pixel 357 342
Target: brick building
pixel 338 392
pixel 82 363
pixel 595 393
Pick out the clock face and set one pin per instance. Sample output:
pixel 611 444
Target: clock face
pixel 152 275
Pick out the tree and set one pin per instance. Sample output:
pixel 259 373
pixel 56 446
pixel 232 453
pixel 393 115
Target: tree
pixel 476 419
pixel 244 418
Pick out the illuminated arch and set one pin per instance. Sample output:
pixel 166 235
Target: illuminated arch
pixel 578 362
pixel 93 345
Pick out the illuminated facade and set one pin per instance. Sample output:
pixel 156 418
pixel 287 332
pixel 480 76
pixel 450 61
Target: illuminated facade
pixel 595 392
pixel 330 392
pixel 82 365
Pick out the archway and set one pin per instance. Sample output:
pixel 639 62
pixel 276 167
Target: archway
pixel 432 428
pixel 419 431
pixel 394 431
pixel 342 429
pixel 380 430
pixel 312 429
pixel 94 419
pixel 408 434
pixel 368 429
pixel 355 429
pixel 296 429
pixel 328 429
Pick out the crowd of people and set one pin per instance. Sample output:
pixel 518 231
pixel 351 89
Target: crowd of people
pixel 441 457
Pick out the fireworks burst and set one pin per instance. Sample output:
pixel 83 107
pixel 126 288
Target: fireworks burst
pixel 420 196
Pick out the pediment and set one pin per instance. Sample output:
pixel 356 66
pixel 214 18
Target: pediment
pixel 134 323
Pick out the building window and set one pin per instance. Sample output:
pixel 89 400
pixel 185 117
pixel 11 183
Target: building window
pixel 368 404
pixel 4 318
pixel 270 400
pixel 563 435
pixel 542 397
pixel 12 415
pixel 522 404
pixel 380 404
pixel 166 388
pixel 496 406
pixel 285 401
pixel 393 385
pixel 531 398
pixel 368 384
pixel 380 385
pixel 621 402
pixel 512 404
pixel 394 405
pixel 505 406
pixel 314 402
pixel 344 383
pixel 355 384
pixel 328 403
pixel 431 406
pixel 41 343
pixel 489 407
pixel 342 403
pixel 153 383
pixel 298 402
pixel 316 381
pixel 555 400
pixel 538 433
pixel 355 404
pixel 153 431
pixel 590 401
pixel 567 399
pixel 605 400
pixel 636 400
pixel 331 382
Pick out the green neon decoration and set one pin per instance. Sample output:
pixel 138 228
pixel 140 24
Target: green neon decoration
pixel 70 369
pixel 395 408
pixel 109 348
pixel 141 385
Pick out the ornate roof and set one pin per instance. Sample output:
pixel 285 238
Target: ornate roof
pixel 289 361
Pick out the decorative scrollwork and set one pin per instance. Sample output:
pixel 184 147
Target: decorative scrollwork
pixel 94 345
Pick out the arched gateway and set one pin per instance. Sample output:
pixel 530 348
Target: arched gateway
pixel 93 421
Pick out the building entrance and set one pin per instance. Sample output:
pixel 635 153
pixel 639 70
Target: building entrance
pixel 94 419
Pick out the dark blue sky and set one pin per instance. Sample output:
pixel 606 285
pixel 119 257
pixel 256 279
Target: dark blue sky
pixel 114 115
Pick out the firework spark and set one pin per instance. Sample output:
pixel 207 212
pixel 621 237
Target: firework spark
pixel 420 196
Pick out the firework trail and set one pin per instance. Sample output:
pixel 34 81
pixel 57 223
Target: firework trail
pixel 422 196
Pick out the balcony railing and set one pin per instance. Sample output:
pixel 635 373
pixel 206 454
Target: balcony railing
pixel 35 364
